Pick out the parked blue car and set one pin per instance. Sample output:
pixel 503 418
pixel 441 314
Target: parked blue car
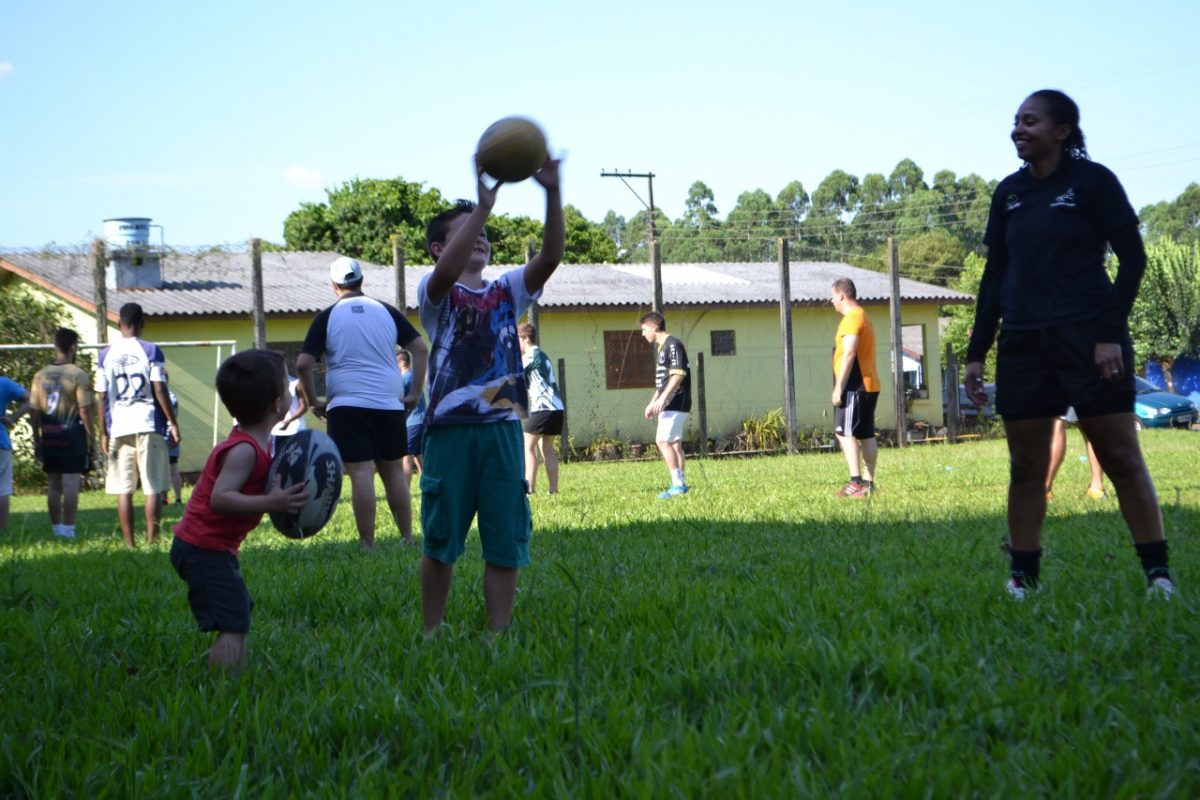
pixel 1158 408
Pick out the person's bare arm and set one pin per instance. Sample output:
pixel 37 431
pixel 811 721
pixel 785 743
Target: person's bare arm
pixel 229 499
pixel 849 352
pixel 305 363
pixel 554 236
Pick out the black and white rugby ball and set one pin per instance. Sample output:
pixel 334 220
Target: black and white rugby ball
pixel 309 457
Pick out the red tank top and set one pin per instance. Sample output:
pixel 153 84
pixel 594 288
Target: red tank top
pixel 204 528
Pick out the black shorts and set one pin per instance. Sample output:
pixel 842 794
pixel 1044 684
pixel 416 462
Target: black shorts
pixel 544 423
pixel 64 450
pixel 856 415
pixel 368 434
pixel 1039 373
pixel 217 594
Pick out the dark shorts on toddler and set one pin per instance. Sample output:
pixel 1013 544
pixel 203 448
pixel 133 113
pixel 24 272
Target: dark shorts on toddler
pixel 469 471
pixel 1040 373
pixel 217 594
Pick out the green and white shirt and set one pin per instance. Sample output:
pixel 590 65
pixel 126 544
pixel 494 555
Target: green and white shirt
pixel 540 381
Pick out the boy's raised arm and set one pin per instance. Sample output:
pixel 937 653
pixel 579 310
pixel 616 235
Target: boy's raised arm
pixel 554 236
pixel 457 251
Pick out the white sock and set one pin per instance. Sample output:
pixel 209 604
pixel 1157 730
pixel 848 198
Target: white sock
pixel 677 477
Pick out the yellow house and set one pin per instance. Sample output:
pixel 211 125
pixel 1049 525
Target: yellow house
pixel 726 314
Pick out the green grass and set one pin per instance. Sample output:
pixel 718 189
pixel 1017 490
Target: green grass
pixel 756 638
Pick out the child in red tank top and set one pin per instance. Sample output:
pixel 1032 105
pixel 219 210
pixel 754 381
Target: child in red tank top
pixel 229 501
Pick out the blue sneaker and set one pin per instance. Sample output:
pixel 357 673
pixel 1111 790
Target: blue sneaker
pixel 672 491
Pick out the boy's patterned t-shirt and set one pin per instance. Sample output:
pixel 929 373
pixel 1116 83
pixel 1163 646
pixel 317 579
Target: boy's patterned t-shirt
pixel 475 371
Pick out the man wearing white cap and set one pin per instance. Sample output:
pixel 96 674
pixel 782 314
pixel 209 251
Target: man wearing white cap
pixel 365 402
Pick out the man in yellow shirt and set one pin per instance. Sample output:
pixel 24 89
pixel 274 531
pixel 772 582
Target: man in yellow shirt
pixel 855 389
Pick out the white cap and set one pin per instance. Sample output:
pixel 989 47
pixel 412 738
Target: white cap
pixel 345 270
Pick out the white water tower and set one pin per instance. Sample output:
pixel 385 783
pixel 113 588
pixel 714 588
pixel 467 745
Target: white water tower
pixel 132 262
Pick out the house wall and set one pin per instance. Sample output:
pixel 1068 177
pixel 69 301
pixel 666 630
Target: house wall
pixel 739 386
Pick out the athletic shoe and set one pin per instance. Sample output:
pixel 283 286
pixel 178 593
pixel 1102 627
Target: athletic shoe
pixel 64 531
pixel 1015 590
pixel 672 491
pixel 1161 588
pixel 1095 494
pixel 852 489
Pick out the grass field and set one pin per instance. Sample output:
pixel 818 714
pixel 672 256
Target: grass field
pixel 756 638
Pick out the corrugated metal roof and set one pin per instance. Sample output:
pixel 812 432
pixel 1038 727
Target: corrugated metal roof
pixel 217 282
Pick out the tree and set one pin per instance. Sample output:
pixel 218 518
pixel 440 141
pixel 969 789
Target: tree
pixel 791 207
pixel 1178 219
pixel 700 208
pixel 906 179
pixel 833 203
pixel 695 237
pixel 614 229
pixel 361 217
pixel 25 318
pixel 510 236
pixel 960 318
pixel 750 229
pixel 1165 319
pixel 637 234
pixel 587 242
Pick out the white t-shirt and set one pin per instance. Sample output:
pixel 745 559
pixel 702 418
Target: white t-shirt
pixel 124 372
pixel 357 336
pixel 298 425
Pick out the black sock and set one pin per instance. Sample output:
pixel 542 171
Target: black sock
pixel 1154 559
pixel 869 484
pixel 1026 565
pixel 856 479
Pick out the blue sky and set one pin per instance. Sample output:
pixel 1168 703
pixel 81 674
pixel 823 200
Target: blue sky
pixel 217 119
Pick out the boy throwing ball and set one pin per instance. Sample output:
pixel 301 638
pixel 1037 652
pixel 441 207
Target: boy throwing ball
pixel 229 501
pixel 474 462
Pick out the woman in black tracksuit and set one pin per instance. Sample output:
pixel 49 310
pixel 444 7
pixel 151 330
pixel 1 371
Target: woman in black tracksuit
pixel 1064 335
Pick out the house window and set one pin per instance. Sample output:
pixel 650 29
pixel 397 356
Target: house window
pixel 291 351
pixel 722 343
pixel 913 341
pixel 628 361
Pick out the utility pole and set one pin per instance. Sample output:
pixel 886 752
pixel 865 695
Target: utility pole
pixel 655 255
pixel 897 346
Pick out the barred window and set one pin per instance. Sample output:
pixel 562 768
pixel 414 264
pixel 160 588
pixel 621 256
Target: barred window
pixel 723 343
pixel 628 360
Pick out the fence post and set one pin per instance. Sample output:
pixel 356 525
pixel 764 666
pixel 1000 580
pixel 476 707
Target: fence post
pixel 99 262
pixel 398 267
pixel 256 289
pixel 897 346
pixel 950 388
pixel 785 327
pixel 702 403
pixel 564 438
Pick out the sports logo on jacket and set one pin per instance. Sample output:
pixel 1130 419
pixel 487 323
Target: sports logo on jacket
pixel 1064 200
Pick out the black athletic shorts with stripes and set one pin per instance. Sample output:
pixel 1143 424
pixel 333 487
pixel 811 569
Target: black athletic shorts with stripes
pixel 856 415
